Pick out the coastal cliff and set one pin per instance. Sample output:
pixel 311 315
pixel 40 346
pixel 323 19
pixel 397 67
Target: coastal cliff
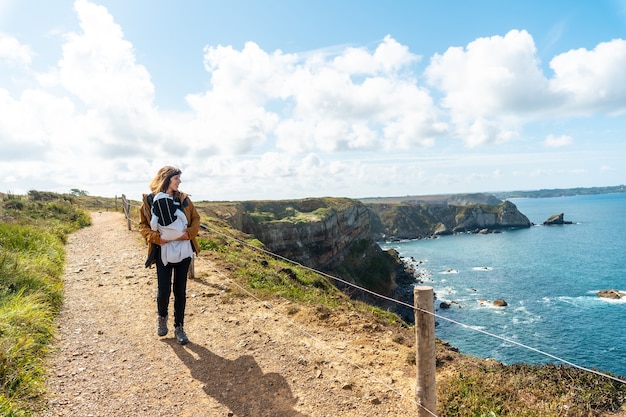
pixel 332 235
pixel 416 220
pixel 338 235
pixel 317 232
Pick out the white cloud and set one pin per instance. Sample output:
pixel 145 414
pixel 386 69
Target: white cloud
pixel 592 81
pixel 355 99
pixel 552 141
pixel 98 64
pixel 495 85
pixel 13 52
pixel 390 56
pixel 490 85
pixel 85 116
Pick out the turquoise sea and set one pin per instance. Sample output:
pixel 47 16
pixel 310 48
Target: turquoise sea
pixel 548 275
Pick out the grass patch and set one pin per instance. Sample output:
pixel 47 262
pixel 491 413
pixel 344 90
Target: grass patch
pixel 492 389
pixel 33 231
pixel 268 276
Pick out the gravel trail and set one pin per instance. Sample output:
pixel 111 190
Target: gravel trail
pixel 246 358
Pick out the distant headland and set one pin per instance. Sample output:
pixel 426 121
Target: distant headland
pixel 560 192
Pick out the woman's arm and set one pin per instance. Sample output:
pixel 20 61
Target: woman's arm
pixel 193 220
pixel 146 231
pixel 193 224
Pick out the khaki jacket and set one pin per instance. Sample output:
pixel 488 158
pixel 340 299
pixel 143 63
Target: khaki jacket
pixel 153 237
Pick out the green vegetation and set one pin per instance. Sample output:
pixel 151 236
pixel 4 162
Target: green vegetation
pixel 367 267
pixel 486 388
pixel 293 211
pixel 266 275
pixel 288 214
pixel 33 230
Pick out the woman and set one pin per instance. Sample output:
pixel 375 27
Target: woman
pixel 167 181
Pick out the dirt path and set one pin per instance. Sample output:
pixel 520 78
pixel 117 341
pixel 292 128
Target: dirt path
pixel 245 358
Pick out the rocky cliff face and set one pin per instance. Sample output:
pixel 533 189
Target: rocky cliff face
pixel 413 221
pixel 332 235
pixel 315 232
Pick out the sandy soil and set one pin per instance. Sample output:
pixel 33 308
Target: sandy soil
pixel 246 357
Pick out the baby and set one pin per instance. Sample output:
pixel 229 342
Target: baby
pixel 169 220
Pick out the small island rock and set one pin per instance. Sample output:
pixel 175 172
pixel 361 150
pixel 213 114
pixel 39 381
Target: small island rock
pixel 556 219
pixel 613 294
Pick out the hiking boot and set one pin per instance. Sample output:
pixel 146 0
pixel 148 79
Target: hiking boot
pixel 162 326
pixel 180 335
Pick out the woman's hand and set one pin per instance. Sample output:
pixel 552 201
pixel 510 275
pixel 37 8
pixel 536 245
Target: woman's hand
pixel 184 236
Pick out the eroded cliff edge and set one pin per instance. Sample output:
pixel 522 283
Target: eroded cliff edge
pixel 339 235
pixel 413 218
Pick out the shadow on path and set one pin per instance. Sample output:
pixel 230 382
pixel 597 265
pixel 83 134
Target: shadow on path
pixel 239 384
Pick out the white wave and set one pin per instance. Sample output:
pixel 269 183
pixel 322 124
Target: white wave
pixel 525 316
pixel 482 268
pixel 447 291
pixel 590 300
pixel 612 300
pixel 424 275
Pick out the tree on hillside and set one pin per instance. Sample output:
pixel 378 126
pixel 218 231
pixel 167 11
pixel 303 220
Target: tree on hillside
pixel 78 193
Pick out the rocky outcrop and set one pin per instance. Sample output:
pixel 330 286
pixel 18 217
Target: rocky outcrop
pixel 414 221
pixel 612 294
pixel 556 219
pixel 495 303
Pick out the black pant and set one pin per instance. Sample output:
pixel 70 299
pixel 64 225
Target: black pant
pixel 164 277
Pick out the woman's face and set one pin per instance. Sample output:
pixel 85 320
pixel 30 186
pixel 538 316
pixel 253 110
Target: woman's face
pixel 174 183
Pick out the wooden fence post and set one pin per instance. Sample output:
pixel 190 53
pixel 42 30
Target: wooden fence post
pixel 191 273
pixel 126 207
pixel 425 389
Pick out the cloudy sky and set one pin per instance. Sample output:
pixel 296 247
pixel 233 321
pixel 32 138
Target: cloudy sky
pixel 282 99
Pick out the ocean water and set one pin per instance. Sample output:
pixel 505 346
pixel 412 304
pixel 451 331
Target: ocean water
pixel 548 275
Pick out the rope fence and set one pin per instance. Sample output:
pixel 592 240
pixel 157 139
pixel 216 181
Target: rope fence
pixel 425 400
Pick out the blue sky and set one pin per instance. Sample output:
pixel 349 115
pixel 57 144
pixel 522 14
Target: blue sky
pixel 293 99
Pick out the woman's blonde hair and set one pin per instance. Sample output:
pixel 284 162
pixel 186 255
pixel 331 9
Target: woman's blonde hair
pixel 161 181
